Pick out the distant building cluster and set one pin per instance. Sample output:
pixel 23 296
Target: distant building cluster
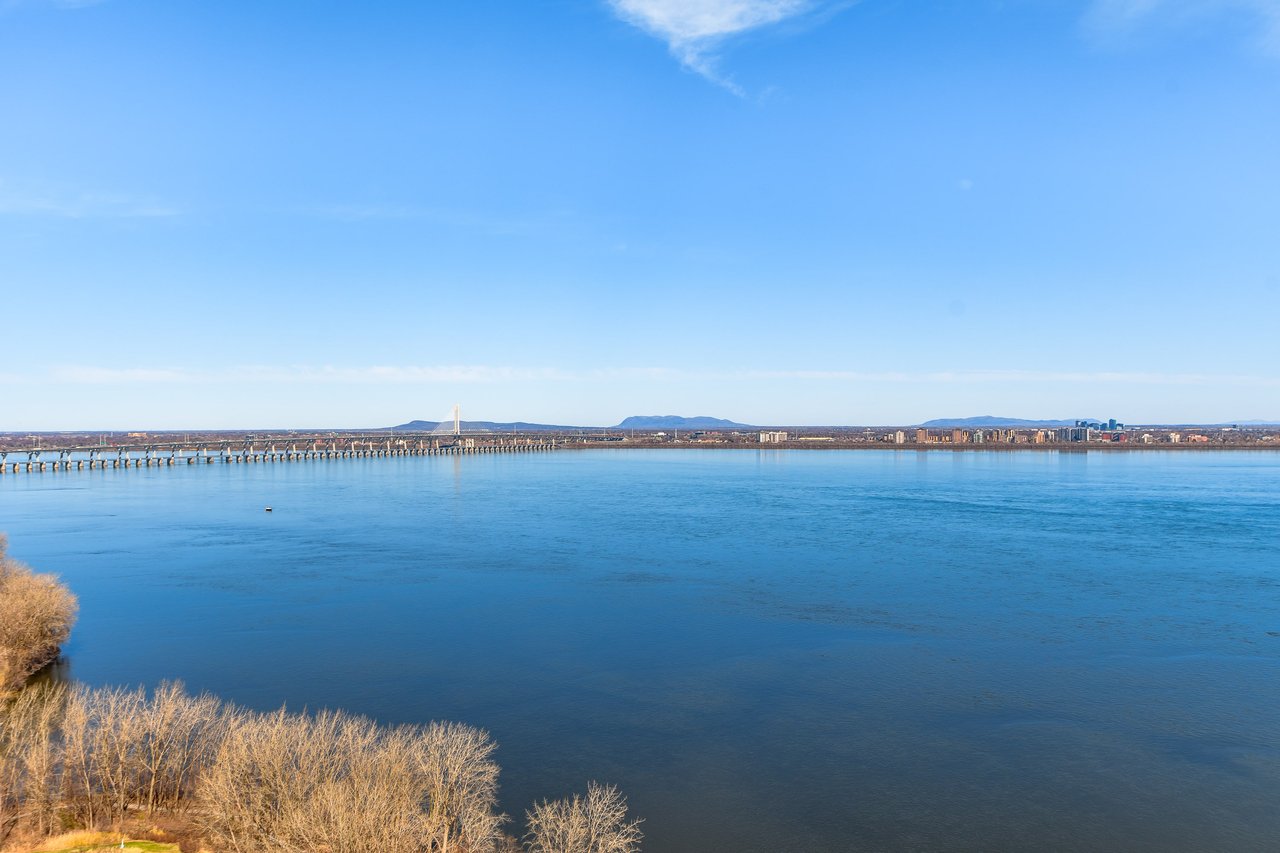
pixel 1111 431
pixel 1082 433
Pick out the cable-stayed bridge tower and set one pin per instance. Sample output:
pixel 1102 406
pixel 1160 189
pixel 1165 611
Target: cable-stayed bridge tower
pixel 452 426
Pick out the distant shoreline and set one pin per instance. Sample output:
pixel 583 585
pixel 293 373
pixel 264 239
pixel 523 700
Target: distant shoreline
pixel 66 460
pixel 945 448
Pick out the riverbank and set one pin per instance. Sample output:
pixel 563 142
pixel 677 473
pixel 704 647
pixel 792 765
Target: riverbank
pixel 1101 447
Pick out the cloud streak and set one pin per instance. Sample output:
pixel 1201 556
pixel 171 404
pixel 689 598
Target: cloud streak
pixel 304 374
pixel 488 374
pixel 532 224
pixel 7 5
pixel 695 29
pixel 1117 18
pixel 65 204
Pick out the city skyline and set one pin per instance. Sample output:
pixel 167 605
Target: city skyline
pixel 773 211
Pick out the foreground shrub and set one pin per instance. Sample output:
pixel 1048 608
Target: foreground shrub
pixel 289 783
pixel 596 823
pixel 36 615
pixel 123 749
pixel 30 759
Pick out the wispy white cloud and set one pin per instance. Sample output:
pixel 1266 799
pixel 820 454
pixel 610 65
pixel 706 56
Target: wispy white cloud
pixel 1021 376
pixel 496 224
pixel 395 374
pixel 362 212
pixel 7 5
pixel 17 200
pixel 695 29
pixel 303 374
pixel 87 375
pixel 1109 19
pixel 482 374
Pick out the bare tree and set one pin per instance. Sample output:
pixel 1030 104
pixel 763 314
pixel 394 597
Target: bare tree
pixel 253 781
pixel 79 762
pixel 370 802
pixel 179 736
pixel 294 783
pixel 36 615
pixel 104 734
pixel 461 781
pixel 29 758
pixel 596 823
pixel 40 752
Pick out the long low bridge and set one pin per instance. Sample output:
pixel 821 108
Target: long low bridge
pixel 249 451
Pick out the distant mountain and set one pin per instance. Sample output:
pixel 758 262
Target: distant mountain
pixel 994 421
pixel 649 422
pixel 486 426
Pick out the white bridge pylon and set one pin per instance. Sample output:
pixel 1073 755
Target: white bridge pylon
pixel 451 426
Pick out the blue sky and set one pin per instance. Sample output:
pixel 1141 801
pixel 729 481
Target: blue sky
pixel 776 211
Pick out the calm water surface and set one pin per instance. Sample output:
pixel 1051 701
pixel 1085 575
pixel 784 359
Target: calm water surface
pixel 767 651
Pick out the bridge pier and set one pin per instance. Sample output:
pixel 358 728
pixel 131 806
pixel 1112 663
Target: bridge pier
pixel 233 453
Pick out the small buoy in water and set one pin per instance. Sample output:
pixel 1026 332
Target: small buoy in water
pixel 268 509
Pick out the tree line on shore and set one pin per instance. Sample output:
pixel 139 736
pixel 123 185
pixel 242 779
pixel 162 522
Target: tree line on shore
pixel 73 756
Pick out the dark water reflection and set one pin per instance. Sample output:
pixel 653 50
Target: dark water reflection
pixel 767 651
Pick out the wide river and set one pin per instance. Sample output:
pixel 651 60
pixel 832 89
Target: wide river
pixel 766 651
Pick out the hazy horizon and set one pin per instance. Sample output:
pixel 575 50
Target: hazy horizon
pixel 1256 422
